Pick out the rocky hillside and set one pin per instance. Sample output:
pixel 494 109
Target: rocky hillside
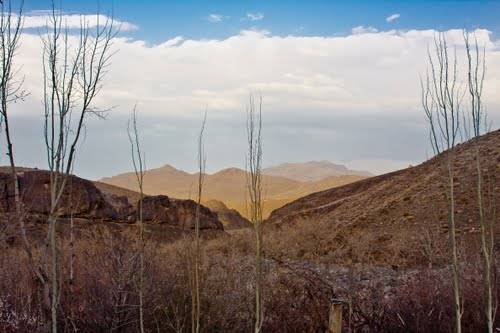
pixel 312 171
pixel 228 186
pixel 404 211
pixel 102 202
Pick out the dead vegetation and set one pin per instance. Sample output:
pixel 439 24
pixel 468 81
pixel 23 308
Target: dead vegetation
pixel 296 292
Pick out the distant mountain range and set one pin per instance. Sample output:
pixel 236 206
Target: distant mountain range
pixel 281 184
pixel 312 171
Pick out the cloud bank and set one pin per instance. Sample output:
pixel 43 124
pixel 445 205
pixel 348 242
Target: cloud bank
pixel 343 98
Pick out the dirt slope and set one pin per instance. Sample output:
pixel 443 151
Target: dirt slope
pixel 406 209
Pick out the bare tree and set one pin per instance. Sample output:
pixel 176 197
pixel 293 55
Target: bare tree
pixel 138 160
pixel 72 205
pixel 73 71
pixel 441 101
pixel 254 188
pixel 196 302
pixel 478 123
pixel 11 91
pixel 11 87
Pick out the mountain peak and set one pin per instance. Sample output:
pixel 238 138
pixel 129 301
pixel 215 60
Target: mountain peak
pixel 167 170
pixel 168 167
pixel 229 172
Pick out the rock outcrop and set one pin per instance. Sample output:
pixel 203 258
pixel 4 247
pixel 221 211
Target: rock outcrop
pixel 160 209
pixel 84 200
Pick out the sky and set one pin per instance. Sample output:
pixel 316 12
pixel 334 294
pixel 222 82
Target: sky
pixel 339 80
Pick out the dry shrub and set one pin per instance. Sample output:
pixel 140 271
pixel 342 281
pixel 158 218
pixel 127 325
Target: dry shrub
pixel 19 299
pixel 297 291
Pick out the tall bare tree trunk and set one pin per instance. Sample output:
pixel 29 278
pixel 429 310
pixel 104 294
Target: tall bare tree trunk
pixel 454 252
pixel 72 77
pixel 254 188
pixel 141 258
pixel 71 238
pixel 11 91
pixel 196 301
pixel 476 72
pixel 486 249
pixel 138 160
pixel 54 274
pixel 441 101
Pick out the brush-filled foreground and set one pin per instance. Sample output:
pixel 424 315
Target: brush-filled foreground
pixel 379 244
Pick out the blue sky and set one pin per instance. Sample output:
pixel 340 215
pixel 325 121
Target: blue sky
pixel 162 20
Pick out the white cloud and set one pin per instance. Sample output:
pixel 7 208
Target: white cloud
pixel 215 18
pixel 359 73
pixel 40 19
pixel 255 16
pixel 363 30
pixel 393 17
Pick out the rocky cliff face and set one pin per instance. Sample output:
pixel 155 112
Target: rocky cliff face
pixel 84 200
pixel 81 197
pixel 160 209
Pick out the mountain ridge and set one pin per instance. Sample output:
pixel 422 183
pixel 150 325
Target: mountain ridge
pixel 227 185
pixel 312 170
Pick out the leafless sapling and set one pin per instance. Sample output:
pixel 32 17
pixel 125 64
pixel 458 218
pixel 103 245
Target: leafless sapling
pixel 73 72
pixel 441 101
pixel 254 190
pixel 138 160
pixel 477 125
pixel 196 301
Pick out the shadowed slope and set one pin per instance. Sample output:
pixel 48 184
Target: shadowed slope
pixel 403 213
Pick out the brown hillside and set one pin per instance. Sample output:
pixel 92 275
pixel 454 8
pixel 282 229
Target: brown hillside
pixel 405 211
pixel 228 186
